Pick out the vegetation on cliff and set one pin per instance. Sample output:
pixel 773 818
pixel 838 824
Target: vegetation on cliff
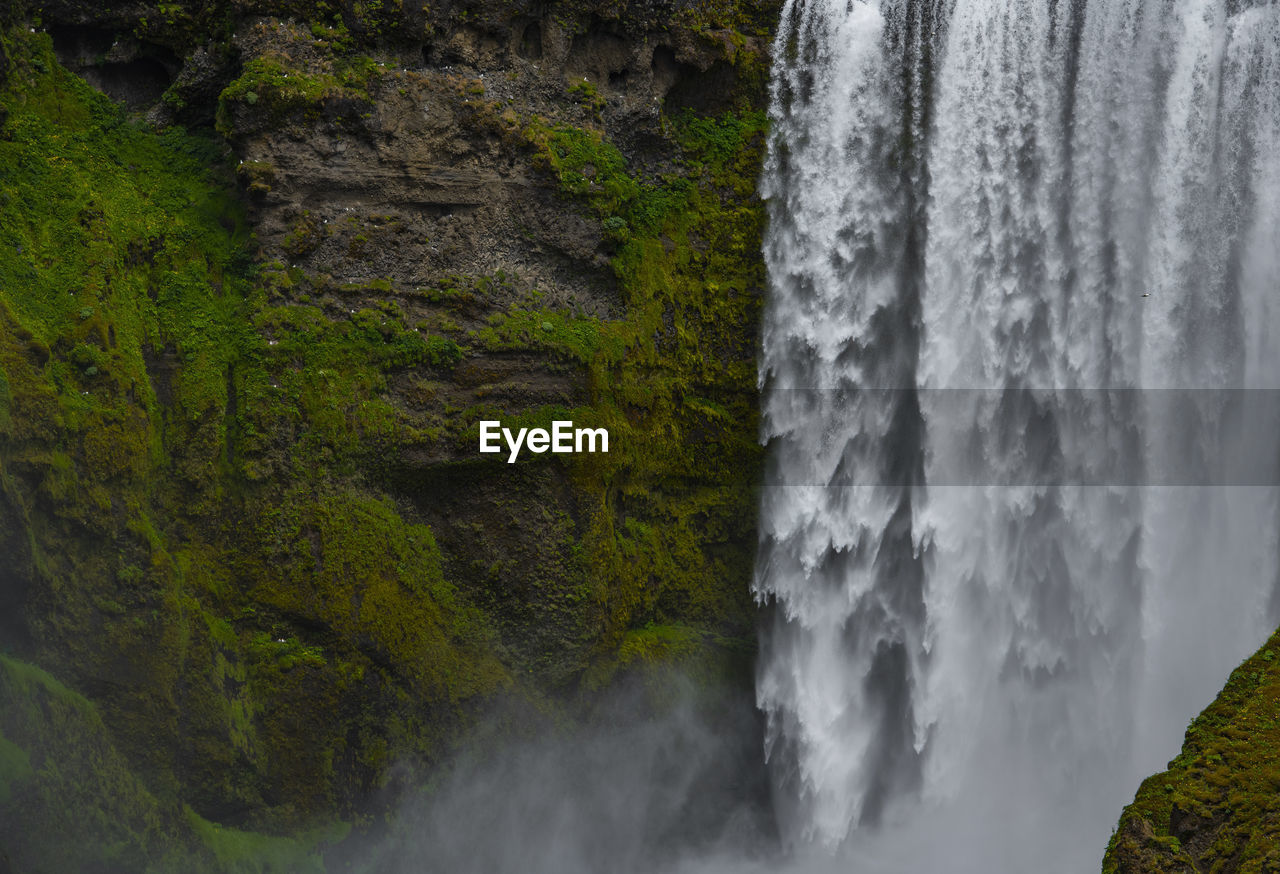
pixel 1217 808
pixel 245 528
pixel 212 611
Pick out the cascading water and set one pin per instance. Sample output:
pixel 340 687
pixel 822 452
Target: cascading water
pixel 1024 317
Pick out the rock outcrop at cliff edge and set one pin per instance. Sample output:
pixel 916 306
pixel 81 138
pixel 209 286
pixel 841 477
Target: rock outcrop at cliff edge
pixel 255 302
pixel 1217 808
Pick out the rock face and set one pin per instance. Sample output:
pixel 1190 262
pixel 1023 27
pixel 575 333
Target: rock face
pixel 1216 808
pixel 242 371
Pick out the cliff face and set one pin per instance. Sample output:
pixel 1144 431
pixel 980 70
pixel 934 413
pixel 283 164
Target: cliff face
pixel 1216 809
pixel 249 540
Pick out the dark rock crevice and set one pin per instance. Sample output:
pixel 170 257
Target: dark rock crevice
pixel 126 69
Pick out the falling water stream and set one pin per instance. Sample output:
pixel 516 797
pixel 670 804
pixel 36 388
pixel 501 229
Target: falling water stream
pixel 1020 363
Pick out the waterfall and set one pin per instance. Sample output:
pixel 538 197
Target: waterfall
pixel 1020 361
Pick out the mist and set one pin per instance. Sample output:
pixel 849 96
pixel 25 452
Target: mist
pixel 638 785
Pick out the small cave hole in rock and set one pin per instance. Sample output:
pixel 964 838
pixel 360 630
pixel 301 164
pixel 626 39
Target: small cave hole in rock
pixel 137 84
pixel 665 70
pixel 664 62
pixel 78 47
pixel 708 92
pixel 618 79
pixel 126 70
pixel 597 52
pixel 531 43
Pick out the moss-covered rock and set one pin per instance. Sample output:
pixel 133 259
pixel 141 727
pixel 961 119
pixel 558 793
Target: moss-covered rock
pixel 1217 808
pixel 70 801
pixel 60 774
pixel 170 560
pixel 241 375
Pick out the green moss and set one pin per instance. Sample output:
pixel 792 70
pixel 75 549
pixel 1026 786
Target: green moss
pixel 182 447
pixel 673 380
pixel 586 93
pixel 1215 808
pixel 111 241
pixel 244 852
pixel 6 403
pixel 15 767
pixel 355 564
pixel 591 168
pixel 323 382
pixel 271 89
pixel 62 776
pixel 644 647
pixel 585 340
